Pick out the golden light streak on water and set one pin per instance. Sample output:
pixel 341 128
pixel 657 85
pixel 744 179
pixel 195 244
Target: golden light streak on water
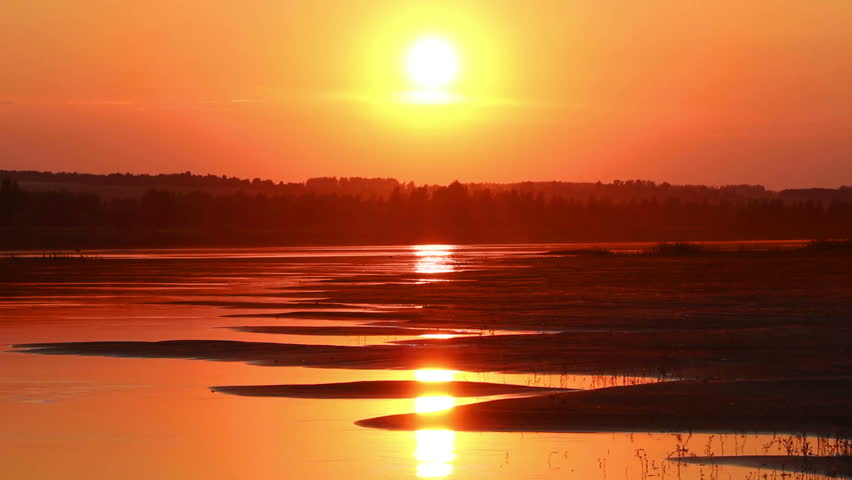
pixel 434 403
pixel 434 448
pixel 434 375
pixel 434 258
pixel 435 453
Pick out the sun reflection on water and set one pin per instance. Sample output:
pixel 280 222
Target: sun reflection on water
pixel 438 336
pixel 434 448
pixel 434 403
pixel 435 453
pixel 434 375
pixel 434 258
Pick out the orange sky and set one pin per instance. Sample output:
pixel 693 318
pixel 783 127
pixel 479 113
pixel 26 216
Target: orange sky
pixel 746 91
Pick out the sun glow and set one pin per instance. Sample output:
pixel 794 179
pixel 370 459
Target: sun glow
pixel 430 68
pixel 432 63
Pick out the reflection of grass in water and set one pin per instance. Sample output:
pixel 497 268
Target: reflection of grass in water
pixel 582 251
pixel 565 379
pixel 51 256
pixel 685 249
pixel 829 246
pixel 820 455
pixel 803 445
pixel 791 445
pixel 15 267
pixel 676 249
pixel 690 249
pixel 802 456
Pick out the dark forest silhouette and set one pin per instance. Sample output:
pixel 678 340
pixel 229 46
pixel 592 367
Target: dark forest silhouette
pixel 46 210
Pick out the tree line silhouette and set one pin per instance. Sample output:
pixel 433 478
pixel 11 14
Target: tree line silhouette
pixel 384 211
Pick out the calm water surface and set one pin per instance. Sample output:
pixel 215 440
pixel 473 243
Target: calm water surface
pixel 99 418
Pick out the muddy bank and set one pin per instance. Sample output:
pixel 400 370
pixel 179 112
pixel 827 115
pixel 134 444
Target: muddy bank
pixel 383 389
pixel 703 354
pixel 726 291
pixel 737 316
pixel 839 466
pixel 361 331
pixel 260 305
pixel 516 292
pixel 221 350
pixel 389 315
pixel 818 407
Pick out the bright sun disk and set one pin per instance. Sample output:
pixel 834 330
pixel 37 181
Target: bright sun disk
pixel 432 63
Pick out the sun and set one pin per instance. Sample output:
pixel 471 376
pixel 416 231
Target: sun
pixel 432 63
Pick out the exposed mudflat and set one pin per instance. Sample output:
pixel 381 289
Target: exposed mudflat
pixel 741 341
pixel 795 352
pixel 383 389
pixel 355 330
pixel 819 407
pixel 327 315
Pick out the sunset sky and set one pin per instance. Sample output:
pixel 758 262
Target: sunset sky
pixel 722 92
